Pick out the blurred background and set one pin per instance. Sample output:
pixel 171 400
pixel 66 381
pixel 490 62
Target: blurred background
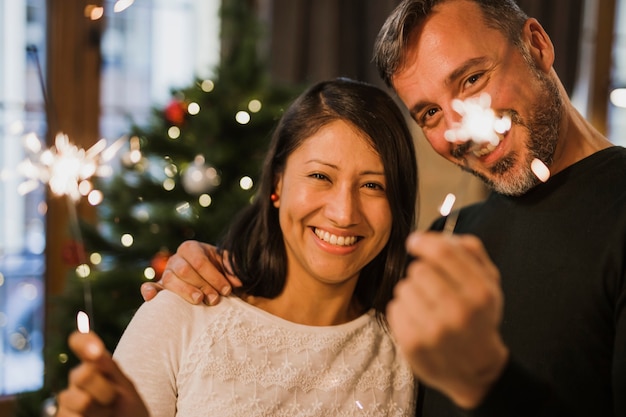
pixel 193 89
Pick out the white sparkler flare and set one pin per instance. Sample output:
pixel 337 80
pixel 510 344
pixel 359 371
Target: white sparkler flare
pixel 64 165
pixel 479 122
pixel 540 170
pixel 448 203
pixel 82 322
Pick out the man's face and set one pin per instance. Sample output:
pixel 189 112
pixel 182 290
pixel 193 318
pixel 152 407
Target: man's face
pixel 454 55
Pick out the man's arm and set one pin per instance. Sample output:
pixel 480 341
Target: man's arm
pixel 195 273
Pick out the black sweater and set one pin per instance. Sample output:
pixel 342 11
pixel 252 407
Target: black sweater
pixel 561 251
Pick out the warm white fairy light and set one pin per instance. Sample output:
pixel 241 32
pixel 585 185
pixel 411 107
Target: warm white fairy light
pixel 169 184
pixel 242 117
pixel 149 273
pixel 94 12
pixel 205 200
pixel 95 258
pixel 254 106
pixel 207 86
pixel 479 122
pixel 173 132
pixel 618 97
pixel 127 240
pixel 121 5
pixel 246 183
pixel 193 108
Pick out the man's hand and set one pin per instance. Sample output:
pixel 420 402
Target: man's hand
pixel 195 273
pixel 446 314
pixel 97 387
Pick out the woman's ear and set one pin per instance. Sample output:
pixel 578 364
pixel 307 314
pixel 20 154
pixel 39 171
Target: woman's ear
pixel 539 44
pixel 278 187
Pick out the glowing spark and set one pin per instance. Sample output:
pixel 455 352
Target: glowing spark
pixel 64 166
pixel 479 123
pixel 82 322
pixel 540 170
pixel 446 206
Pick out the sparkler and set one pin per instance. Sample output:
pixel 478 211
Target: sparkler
pixel 480 125
pixel 67 170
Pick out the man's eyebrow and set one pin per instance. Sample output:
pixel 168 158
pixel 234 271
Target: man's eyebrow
pixel 467 65
pixel 453 76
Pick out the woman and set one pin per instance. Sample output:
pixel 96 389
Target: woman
pixel 318 253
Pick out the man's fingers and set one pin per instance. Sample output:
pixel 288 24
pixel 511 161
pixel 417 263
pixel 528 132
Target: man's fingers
pixel 462 258
pixel 149 290
pixel 194 290
pixel 196 273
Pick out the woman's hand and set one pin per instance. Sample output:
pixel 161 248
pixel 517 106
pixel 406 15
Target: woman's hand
pixel 195 273
pixel 97 387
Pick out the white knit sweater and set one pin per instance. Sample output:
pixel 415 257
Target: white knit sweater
pixel 234 359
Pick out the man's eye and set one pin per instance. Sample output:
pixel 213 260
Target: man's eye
pixel 427 116
pixel 473 79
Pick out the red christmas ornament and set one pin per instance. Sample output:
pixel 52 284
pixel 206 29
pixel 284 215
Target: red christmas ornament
pixel 73 253
pixel 158 262
pixel 175 112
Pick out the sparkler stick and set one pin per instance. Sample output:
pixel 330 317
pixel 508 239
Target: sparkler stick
pixel 65 169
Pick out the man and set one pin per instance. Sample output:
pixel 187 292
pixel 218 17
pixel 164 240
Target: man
pixel 548 337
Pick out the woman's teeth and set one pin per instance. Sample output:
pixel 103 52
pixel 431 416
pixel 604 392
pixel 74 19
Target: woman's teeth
pixel 334 239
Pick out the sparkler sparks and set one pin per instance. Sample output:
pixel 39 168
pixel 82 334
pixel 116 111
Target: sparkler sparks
pixel 82 322
pixel 67 170
pixel 479 122
pixel 64 167
pixel 480 125
pixel 540 170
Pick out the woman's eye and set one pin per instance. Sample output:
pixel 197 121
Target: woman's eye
pixel 374 186
pixel 319 176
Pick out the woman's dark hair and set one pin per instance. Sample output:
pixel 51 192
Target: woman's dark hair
pixel 255 242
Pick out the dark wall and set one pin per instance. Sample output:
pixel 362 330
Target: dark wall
pixel 313 40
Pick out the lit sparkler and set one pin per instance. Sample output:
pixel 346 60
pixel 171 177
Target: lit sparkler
pixel 479 124
pixel 64 167
pixel 82 322
pixel 67 170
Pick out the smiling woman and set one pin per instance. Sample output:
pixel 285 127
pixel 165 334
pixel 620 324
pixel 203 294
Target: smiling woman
pixel 318 252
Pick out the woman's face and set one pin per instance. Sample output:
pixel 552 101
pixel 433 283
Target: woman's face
pixel 333 208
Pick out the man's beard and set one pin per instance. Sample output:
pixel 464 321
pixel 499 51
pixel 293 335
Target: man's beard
pixel 509 176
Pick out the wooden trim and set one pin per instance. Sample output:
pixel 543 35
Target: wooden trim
pixel 73 83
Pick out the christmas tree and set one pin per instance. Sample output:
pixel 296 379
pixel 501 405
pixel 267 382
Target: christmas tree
pixel 183 176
